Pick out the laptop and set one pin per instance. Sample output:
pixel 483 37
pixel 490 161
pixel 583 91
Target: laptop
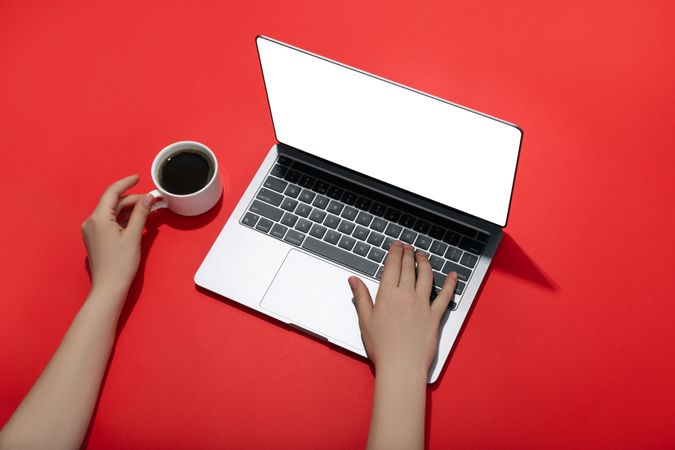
pixel 360 161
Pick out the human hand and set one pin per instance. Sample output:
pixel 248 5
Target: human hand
pixel 113 237
pixel 400 331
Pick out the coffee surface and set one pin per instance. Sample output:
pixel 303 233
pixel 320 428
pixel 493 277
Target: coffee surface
pixel 185 173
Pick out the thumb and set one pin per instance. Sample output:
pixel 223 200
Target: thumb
pixel 362 300
pixel 139 215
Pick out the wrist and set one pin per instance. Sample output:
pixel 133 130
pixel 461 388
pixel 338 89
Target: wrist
pixel 404 372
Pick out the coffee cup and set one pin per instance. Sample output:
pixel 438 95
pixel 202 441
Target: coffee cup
pixel 186 176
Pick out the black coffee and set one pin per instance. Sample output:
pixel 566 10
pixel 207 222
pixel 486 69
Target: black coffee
pixel 185 172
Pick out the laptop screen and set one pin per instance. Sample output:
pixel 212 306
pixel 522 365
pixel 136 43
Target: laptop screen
pixel 427 146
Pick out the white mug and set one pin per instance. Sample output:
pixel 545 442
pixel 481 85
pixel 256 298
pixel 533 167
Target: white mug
pixel 190 204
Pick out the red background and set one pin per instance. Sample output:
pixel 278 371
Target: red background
pixel 571 340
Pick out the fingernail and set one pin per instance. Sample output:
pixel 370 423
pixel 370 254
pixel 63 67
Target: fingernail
pixel 422 254
pixel 147 200
pixel 453 275
pixel 408 247
pixel 396 242
pixel 352 282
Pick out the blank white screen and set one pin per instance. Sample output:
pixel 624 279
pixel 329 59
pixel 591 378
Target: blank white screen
pixel 421 144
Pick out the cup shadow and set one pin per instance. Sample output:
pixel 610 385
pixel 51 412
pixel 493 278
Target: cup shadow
pixel 512 259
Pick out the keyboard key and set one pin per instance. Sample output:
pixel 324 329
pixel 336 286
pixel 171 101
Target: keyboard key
pixel 275 184
pixel 264 225
pixel 421 226
pixel 334 192
pixel 317 215
pixel 375 239
pixel 392 215
pixel 278 230
pixel 348 198
pixel 292 176
pixel 462 229
pixel 387 243
pixel 438 248
pixel 460 287
pixel 294 237
pixel 471 245
pixel 266 210
pixel 306 181
pixel 408 236
pixel 292 191
pixel 377 209
pixel 307 196
pixel 250 219
pixel 376 254
pixel 289 204
pixel 271 197
pixel 363 203
pixel 350 213
pixel 393 230
pixel 462 272
pixel 289 219
pixel 317 231
pixel 320 187
pixel 303 225
pixel 303 210
pixel 363 219
pixel 335 207
pixel 284 160
pixel 469 260
pixel 423 242
pixel 439 279
pixel 336 254
pixel 451 237
pixel 453 254
pixel 378 224
pixel 320 202
pixel 361 248
pixel 361 233
pixel 346 227
pixel 436 232
pixel 279 171
pixel 332 221
pixel 406 220
pixel 346 242
pixel 332 237
pixel 378 275
pixel 436 262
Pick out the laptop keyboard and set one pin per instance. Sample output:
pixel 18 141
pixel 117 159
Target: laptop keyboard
pixel 318 212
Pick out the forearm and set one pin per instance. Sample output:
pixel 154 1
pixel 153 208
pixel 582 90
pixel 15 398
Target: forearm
pixel 56 411
pixel 398 410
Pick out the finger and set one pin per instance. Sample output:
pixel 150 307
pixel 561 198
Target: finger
pixel 138 216
pixel 407 268
pixel 362 300
pixel 425 279
pixel 112 193
pixel 392 265
pixel 126 202
pixel 442 300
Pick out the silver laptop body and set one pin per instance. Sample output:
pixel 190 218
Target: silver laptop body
pixel 360 161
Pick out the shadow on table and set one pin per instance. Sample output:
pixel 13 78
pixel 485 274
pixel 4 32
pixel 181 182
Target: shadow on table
pixel 154 221
pixel 512 259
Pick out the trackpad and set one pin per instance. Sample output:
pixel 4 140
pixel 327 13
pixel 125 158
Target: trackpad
pixel 315 295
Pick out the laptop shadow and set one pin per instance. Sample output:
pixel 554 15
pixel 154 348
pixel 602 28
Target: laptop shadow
pixel 513 260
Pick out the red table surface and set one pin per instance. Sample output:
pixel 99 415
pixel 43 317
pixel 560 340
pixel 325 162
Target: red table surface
pixel 570 343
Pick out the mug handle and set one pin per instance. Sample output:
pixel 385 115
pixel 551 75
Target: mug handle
pixel 160 204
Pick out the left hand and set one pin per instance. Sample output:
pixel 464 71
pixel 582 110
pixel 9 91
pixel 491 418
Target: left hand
pixel 114 246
